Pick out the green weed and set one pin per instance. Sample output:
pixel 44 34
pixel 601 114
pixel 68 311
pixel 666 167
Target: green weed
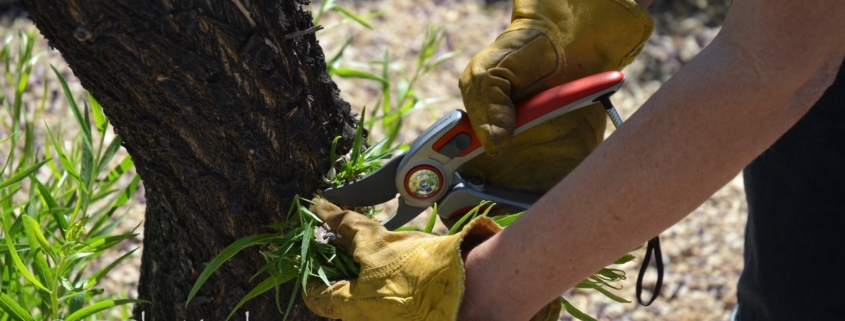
pixel 58 205
pixel 298 252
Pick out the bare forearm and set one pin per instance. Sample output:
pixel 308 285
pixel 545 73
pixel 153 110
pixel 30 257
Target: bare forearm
pixel 693 136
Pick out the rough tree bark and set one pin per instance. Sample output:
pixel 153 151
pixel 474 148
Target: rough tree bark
pixel 227 110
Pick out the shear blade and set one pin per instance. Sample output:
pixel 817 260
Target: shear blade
pixel 403 215
pixel 376 188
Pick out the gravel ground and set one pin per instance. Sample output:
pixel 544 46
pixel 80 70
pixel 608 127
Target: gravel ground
pixel 703 252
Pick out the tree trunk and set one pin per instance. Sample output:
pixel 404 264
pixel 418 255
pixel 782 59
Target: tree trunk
pixel 228 112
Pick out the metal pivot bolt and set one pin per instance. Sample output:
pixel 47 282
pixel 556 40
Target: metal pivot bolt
pixel 476 183
pixel 424 183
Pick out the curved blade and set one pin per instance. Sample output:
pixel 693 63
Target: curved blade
pixel 376 188
pixel 403 215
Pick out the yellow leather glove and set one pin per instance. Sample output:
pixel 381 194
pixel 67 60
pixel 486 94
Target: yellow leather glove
pixel 549 42
pixel 404 275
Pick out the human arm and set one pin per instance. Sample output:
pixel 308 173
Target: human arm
pixel 772 60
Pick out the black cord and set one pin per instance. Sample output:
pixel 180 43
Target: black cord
pixel 653 246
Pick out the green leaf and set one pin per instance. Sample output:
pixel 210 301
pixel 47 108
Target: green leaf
pixel 21 174
pixel 322 275
pixel 76 302
pixel 468 215
pixel 393 131
pixel 42 268
pixel 66 162
pixel 34 229
pixel 354 73
pixel 83 125
pixel 610 295
pixel 440 60
pixel 48 199
pixel 353 16
pixel 505 220
pixel 306 240
pixel 86 173
pixel 225 255
pixel 99 306
pixel 402 91
pixel 385 86
pixel 310 214
pixel 374 154
pixel 326 5
pixel 262 287
pixel 114 146
pixel 103 243
pixel 359 140
pixel 332 63
pixel 127 192
pixel 99 118
pixel 7 219
pixel 431 220
pixel 99 275
pixel 13 135
pixel 574 311
pixel 124 166
pixel 625 259
pixel 70 260
pixel 14 310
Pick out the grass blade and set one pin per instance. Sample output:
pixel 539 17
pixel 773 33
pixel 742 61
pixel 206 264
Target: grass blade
pixel 21 174
pixel 431 220
pixel 99 275
pixel 124 166
pixel 610 295
pixel 431 65
pixel 83 125
pixel 76 302
pixel 225 255
pixel 574 312
pixel 262 287
pixel 42 269
pixel 99 306
pixel 99 118
pixel 467 216
pixel 48 199
pixel 86 172
pixel 625 259
pixel 114 146
pixel 66 162
pixel 505 220
pixel 354 73
pixel 13 309
pixel 33 229
pixel 353 16
pixel 16 259
pixel 332 63
pixel 127 192
pixel 358 142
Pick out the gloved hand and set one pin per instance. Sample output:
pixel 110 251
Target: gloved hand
pixel 549 42
pixel 404 275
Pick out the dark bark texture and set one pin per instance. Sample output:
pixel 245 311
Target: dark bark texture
pixel 227 110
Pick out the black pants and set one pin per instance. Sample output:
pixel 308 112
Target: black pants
pixel 795 237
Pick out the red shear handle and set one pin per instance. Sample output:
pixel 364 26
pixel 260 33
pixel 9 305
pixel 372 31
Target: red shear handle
pixel 542 104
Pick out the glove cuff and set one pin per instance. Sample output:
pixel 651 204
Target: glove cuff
pixel 471 235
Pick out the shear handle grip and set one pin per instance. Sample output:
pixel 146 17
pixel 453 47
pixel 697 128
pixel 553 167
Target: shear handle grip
pixel 542 106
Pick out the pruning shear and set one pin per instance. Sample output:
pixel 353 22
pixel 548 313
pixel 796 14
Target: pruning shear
pixel 427 173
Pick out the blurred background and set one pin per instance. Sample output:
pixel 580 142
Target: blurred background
pixel 702 253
